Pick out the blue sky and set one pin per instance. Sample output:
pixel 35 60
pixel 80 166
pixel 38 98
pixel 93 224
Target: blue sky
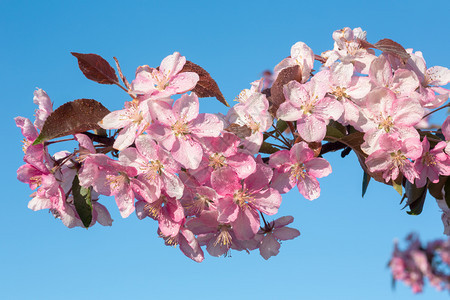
pixel 345 240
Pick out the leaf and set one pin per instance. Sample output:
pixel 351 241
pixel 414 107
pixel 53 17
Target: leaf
pixel 365 183
pixel 83 202
pixel 390 47
pixel 334 132
pixel 281 127
pixel 241 131
pixel 397 187
pixel 447 192
pixel 435 189
pixel 276 91
pixel 71 118
pixel 206 86
pixel 95 68
pixel 416 198
pixel 267 148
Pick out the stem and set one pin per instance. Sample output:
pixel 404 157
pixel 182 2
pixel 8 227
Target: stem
pixel 58 141
pixel 283 141
pixel 264 220
pixel 279 146
pixel 281 134
pixel 438 109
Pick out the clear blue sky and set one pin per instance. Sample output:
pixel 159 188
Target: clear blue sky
pixel 346 241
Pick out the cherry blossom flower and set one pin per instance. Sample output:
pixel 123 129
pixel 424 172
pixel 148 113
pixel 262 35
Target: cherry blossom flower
pixel 268 237
pixel 166 210
pixel 254 114
pixel 179 129
pixel 348 49
pixel 394 156
pixel 298 166
pixel 301 55
pixel 188 244
pixel 388 115
pixel 308 105
pixel 243 199
pixel 164 81
pixel 431 80
pixel 132 120
pixel 432 163
pixel 155 166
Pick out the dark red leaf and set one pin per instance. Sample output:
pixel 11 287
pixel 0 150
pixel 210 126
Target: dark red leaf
pixel 71 118
pixel 206 86
pixel 276 91
pixel 241 131
pixel 390 47
pixel 95 68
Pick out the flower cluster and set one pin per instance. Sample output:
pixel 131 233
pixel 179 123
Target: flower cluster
pixel 417 263
pixel 209 179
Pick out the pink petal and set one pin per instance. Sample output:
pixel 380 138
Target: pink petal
pixel 269 247
pixel 286 233
pixel 311 129
pixel 246 224
pixel 318 167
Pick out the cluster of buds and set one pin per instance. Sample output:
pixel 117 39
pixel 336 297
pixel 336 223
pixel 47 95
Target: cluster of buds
pixel 417 263
pixel 209 179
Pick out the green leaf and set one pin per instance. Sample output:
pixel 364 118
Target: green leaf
pixel 281 126
pixel 397 187
pixel 334 132
pixel 447 192
pixel 267 148
pixel 83 202
pixel 365 183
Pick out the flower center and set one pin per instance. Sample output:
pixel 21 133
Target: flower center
pixel 224 236
pixel 386 124
pixel 428 159
pixel 180 128
pixel 217 161
pixel 116 182
pixel 339 93
pixel 398 158
pixel 298 171
pixel 242 198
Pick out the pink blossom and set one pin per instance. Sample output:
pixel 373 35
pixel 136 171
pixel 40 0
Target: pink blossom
pixel 155 166
pixel 402 82
pixel 179 129
pixel 348 49
pixel 165 81
pixel 222 152
pixel 218 237
pixel 308 105
pixel 254 114
pixel 298 166
pixel 243 199
pixel 301 55
pixel 132 120
pixel 268 237
pixel 388 115
pixel 166 210
pixel 432 163
pixel 188 244
pixel 45 107
pixel 394 156
pixel 431 80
